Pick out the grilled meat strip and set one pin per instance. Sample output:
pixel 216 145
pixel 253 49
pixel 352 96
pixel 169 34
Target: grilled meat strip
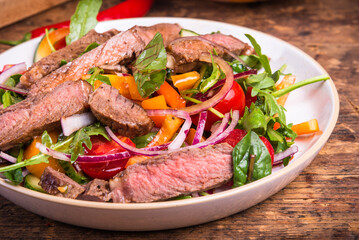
pixel 178 173
pixel 119 113
pixel 52 62
pixel 123 46
pixel 24 120
pixel 187 50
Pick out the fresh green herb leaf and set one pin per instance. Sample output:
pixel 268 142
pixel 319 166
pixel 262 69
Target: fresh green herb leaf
pixel 143 141
pixel 9 98
pixel 76 147
pixel 150 67
pixel 250 145
pixel 84 19
pixel 262 58
pixel 96 75
pixel 96 129
pixel 251 61
pixel 72 173
pixel 237 67
pixel 260 81
pixel 213 79
pixel 255 121
pixel 90 47
pixel 16 176
pixel 271 107
pixel 63 62
pixel 26 37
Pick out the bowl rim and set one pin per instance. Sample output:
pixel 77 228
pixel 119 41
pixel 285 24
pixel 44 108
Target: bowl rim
pixel 200 200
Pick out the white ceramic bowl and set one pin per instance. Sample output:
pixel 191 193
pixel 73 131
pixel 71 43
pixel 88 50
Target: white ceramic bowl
pixel 318 101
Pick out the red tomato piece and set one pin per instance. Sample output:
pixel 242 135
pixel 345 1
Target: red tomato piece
pixel 101 146
pixel 234 100
pixel 237 134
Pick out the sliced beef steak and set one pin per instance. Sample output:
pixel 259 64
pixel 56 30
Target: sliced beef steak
pixel 24 120
pixel 178 173
pixel 124 46
pixel 52 62
pixel 96 190
pixel 119 113
pixel 58 184
pixel 187 50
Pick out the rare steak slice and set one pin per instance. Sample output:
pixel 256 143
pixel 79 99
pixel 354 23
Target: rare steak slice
pixel 24 120
pixel 58 184
pixel 187 50
pixel 52 62
pixel 174 174
pixel 124 46
pixel 119 113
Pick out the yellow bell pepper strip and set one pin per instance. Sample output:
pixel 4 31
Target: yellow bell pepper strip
pixel 32 150
pixel 169 128
pixel 132 86
pixel 117 82
pixel 158 102
pixel 186 80
pixel 190 136
pixel 172 97
pixel 135 159
pixel 307 127
pixel 287 81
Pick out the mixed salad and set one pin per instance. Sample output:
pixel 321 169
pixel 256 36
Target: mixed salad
pixel 239 101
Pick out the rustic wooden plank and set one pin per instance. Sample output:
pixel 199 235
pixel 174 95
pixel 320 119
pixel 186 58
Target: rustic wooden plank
pixel 13 11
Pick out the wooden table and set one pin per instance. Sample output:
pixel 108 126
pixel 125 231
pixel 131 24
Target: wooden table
pixel 323 201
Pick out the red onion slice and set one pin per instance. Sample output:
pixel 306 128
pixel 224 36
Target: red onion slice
pixel 287 153
pixel 7 157
pixel 14 89
pixel 142 151
pixel 53 153
pixel 221 127
pixel 178 141
pixel 197 108
pixel 17 68
pixel 200 127
pixel 75 122
pixel 245 74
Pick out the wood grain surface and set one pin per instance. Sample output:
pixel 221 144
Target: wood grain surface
pixel 323 202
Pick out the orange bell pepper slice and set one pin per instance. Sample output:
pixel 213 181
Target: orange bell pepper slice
pixel 286 82
pixel 55 37
pixel 307 127
pixel 186 80
pixel 32 150
pixel 135 159
pixel 169 128
pixel 172 97
pixel 158 102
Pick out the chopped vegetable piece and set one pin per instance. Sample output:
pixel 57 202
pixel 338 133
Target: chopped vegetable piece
pixel 172 97
pixel 132 86
pixel 158 102
pixel 186 80
pixel 32 150
pixel 168 130
pixel 136 159
pixel 307 127
pixel 190 136
pixel 44 48
pixel 286 82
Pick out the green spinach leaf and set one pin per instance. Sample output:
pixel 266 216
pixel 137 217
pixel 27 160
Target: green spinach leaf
pixel 84 19
pixel 250 146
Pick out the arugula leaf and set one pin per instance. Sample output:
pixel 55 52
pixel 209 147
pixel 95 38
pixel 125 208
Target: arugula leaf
pixel 46 139
pixel 150 67
pixel 251 61
pixel 89 48
pixel 271 106
pixel 262 58
pixel 63 62
pixel 260 81
pixel 26 37
pixel 211 80
pixel 82 137
pixel 16 176
pixel 96 75
pixel 84 19
pixel 250 145
pixel 8 98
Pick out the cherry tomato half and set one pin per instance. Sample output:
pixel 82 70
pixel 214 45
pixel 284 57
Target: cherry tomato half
pixel 234 100
pixel 104 170
pixel 249 98
pixel 237 134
